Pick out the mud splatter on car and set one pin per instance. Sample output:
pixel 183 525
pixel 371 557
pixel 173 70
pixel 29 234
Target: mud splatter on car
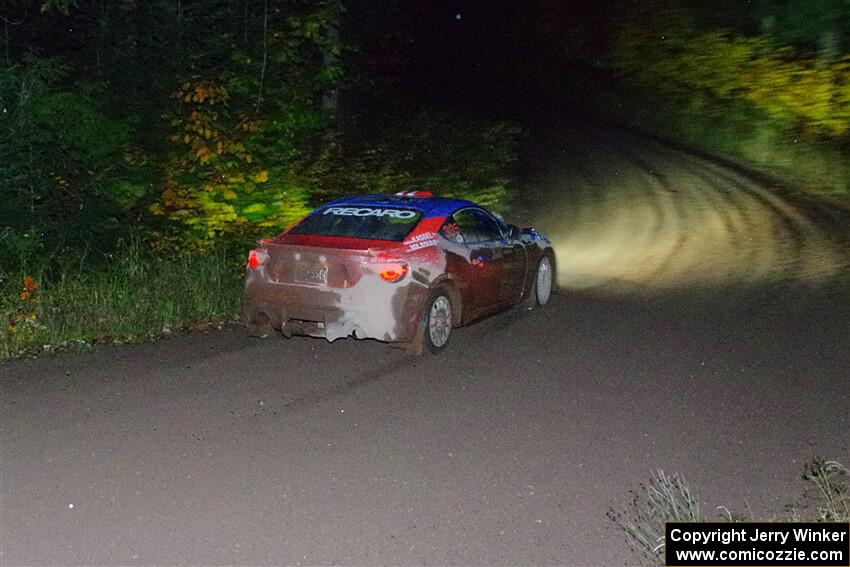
pixel 404 268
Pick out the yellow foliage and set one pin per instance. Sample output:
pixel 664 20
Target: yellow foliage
pixel 671 55
pixel 255 208
pixel 212 184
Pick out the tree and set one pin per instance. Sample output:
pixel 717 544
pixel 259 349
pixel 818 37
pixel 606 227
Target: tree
pixel 61 170
pixel 247 113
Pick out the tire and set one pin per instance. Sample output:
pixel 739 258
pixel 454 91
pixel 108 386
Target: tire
pixel 544 279
pixel 437 321
pixel 259 326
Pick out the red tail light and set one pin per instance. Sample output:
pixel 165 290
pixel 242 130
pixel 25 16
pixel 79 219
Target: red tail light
pixel 257 258
pixel 393 272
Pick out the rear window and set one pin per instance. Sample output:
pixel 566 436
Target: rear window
pixel 375 223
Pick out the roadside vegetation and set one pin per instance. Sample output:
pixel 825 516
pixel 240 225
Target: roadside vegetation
pixel 138 296
pixel 765 84
pixel 669 498
pixel 146 145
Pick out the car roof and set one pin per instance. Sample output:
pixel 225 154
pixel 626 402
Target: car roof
pixel 430 206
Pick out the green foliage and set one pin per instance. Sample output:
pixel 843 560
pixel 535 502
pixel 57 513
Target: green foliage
pixel 249 178
pixel 784 110
pixel 664 50
pixel 812 26
pixel 135 296
pixel 665 498
pixel 61 6
pixel 77 131
pixel 240 129
pixel 229 173
pixel 194 126
pixel 449 155
pixel 739 133
pixel 802 92
pixel 60 156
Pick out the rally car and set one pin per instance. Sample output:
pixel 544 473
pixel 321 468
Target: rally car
pixel 404 268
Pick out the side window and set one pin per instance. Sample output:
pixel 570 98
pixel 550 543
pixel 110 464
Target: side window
pixel 476 226
pixel 488 228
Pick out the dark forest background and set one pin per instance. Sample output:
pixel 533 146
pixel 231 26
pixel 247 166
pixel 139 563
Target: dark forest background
pixel 145 143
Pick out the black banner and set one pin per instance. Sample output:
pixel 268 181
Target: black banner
pixel 762 544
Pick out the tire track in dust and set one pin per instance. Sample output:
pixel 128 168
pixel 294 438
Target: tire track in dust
pixel 802 250
pixel 720 217
pixel 578 207
pixel 629 214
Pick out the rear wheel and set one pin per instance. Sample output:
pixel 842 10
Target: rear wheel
pixel 259 326
pixel 437 321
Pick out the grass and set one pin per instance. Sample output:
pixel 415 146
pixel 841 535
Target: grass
pixel 811 164
pixel 665 498
pixel 69 299
pixel 668 498
pixel 830 479
pixel 133 296
pixel 728 129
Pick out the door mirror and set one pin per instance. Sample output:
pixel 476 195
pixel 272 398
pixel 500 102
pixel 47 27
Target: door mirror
pixel 513 232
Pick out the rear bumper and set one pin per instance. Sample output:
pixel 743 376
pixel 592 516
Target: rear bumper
pixel 372 309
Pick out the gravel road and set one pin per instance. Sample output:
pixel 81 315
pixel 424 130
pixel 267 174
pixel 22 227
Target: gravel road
pixel 703 327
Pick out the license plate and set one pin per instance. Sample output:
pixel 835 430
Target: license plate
pixel 311 273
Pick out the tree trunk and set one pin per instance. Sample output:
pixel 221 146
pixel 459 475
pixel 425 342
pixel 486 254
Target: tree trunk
pixel 265 54
pixel 829 46
pixel 330 100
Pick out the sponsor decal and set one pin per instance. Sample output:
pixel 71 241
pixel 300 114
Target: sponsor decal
pixel 369 212
pixel 452 232
pixel 423 240
pixel 451 229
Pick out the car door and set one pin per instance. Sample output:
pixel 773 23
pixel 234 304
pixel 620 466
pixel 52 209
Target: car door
pixel 508 256
pixel 481 266
pixel 514 267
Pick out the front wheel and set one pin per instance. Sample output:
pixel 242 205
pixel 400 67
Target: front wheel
pixel 543 282
pixel 437 322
